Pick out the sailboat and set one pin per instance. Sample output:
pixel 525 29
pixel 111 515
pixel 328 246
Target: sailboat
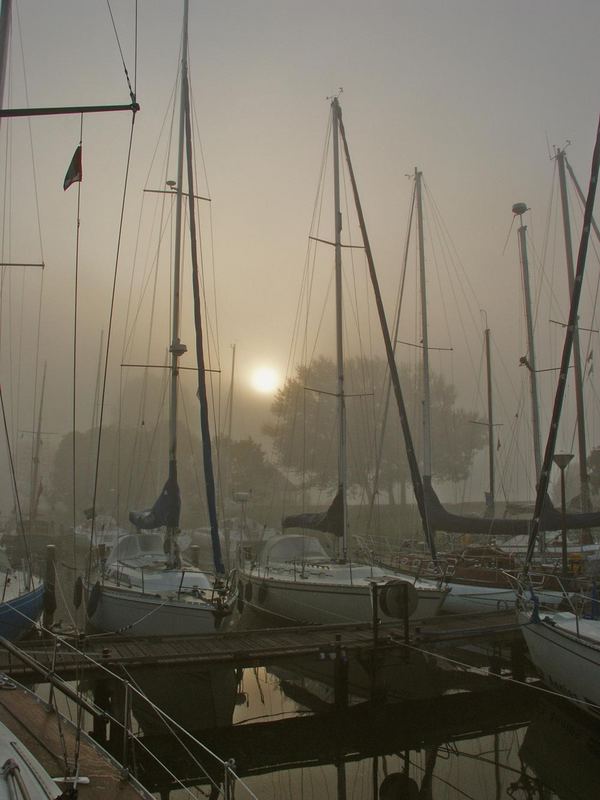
pixel 145 586
pixel 292 577
pixel 565 645
pixel 482 577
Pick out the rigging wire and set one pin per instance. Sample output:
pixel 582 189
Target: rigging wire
pixel 74 386
pixel 298 350
pixel 149 282
pixel 33 489
pixel 15 487
pixel 108 340
pixel 388 382
pixel 112 19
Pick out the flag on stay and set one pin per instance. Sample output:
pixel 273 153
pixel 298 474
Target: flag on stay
pixel 75 172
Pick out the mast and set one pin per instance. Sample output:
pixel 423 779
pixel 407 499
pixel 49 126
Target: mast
pixel 581 438
pixel 519 209
pixel 209 479
pixel 177 348
pixel 580 195
pixel 490 506
pixel 417 481
pixel 424 333
pixel 342 459
pixel 388 388
pixel 567 349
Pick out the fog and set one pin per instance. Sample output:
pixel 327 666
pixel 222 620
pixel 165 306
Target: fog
pixel 473 93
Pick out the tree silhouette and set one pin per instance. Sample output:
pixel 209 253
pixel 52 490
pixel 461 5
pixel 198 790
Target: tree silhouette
pixel 304 428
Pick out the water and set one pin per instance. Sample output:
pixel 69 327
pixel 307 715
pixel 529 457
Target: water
pixel 409 730
pixel 400 725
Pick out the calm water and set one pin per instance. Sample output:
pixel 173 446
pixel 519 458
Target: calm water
pixel 401 726
pixel 409 730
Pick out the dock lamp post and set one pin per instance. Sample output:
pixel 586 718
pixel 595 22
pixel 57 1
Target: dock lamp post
pixel 562 461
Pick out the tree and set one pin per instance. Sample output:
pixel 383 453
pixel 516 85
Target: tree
pixel 593 465
pixel 304 429
pixel 132 470
pixel 244 467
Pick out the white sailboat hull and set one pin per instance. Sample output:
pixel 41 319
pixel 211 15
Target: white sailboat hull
pixel 122 610
pixel 468 598
pixel 567 662
pixel 311 601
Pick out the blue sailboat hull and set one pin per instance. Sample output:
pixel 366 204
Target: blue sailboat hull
pixel 18 616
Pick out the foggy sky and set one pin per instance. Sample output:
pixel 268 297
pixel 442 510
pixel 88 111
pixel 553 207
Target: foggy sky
pixel 473 93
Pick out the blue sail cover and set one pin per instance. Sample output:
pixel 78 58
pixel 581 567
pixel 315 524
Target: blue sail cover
pixel 551 520
pixel 330 521
pixel 164 512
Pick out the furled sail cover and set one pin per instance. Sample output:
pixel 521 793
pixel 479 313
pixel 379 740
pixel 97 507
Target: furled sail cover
pixel 330 521
pixel 165 510
pixel 442 520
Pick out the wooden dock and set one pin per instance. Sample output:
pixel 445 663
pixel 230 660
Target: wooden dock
pixel 250 648
pixel 37 727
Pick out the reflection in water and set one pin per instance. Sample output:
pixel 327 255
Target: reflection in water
pixel 561 750
pixel 358 728
pixel 195 698
pixel 354 729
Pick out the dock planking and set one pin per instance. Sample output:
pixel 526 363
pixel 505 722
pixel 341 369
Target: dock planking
pixel 248 648
pixel 37 726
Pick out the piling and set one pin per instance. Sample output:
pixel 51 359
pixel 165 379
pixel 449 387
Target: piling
pixel 102 700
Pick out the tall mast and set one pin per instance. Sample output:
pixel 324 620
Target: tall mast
pixel 389 349
pixel 335 108
pixel 177 348
pixel 567 349
pixel 209 478
pixel 519 209
pixel 490 506
pixel 583 473
pixel 424 333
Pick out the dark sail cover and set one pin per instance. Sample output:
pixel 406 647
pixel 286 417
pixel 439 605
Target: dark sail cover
pixel 551 519
pixel 164 512
pixel 330 521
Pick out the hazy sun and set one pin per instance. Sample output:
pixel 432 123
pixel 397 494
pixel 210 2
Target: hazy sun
pixel 264 379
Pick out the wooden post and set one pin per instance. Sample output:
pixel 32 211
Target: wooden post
pixel 102 700
pixel 517 659
pixel 49 586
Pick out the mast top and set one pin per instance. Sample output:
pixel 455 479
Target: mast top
pixel 519 209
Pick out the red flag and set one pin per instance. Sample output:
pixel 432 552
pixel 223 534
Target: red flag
pixel 75 172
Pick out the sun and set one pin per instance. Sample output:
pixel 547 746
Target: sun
pixel 264 380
